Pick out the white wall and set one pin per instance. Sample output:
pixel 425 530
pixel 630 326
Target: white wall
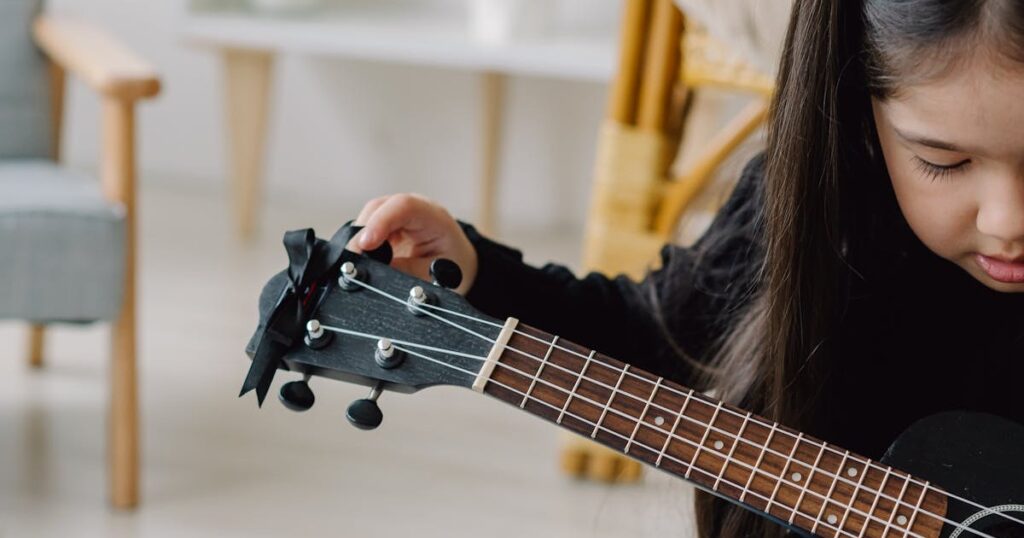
pixel 345 131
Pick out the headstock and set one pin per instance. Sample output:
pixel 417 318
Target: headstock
pixel 359 320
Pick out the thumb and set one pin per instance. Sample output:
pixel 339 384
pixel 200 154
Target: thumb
pixel 368 239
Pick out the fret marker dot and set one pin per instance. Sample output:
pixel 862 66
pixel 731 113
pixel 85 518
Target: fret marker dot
pixel 797 477
pixel 659 421
pixel 901 519
pixel 851 472
pixel 719 445
pixel 832 519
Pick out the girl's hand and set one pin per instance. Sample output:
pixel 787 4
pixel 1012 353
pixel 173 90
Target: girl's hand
pixel 419 231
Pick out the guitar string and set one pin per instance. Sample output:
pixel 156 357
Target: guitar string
pixel 727 460
pixel 868 462
pixel 397 342
pixel 839 531
pixel 838 476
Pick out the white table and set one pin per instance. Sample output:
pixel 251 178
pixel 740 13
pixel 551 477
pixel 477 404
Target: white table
pixel 249 42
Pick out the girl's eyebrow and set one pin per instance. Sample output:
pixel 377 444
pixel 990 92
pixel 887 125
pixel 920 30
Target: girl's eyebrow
pixel 931 142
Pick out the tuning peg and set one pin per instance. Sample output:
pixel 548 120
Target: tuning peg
pixel 383 253
pixel 445 273
pixel 316 337
pixel 365 414
pixel 296 395
pixel 386 355
pixel 417 298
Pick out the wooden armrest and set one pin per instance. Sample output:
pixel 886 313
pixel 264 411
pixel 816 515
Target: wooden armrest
pixel 97 58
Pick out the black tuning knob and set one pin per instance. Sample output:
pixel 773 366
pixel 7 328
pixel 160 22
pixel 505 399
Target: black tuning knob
pixel 383 253
pixel 296 395
pixel 445 273
pixel 365 414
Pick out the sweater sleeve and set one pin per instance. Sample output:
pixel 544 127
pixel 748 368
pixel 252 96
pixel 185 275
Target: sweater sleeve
pixel 677 311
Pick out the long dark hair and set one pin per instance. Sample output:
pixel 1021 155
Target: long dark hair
pixel 827 198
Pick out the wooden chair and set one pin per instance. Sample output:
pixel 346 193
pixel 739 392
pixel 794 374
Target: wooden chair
pixel 68 241
pixel 636 203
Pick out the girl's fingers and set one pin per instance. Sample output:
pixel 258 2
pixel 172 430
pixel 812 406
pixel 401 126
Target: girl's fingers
pixel 369 208
pixel 393 215
pixel 419 231
pixel 364 214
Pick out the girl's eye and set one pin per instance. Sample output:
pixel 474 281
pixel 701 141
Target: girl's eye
pixel 939 171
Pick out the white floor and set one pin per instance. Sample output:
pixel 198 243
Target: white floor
pixel 445 462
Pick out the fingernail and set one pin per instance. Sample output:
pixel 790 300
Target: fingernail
pixel 367 239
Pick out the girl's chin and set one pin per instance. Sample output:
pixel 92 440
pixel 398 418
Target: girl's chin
pixel 1003 287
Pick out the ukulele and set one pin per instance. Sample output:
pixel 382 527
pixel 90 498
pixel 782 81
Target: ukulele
pixel 351 317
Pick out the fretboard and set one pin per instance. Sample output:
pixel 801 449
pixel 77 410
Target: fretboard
pixel 775 470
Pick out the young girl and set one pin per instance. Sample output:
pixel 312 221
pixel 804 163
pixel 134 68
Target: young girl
pixel 868 270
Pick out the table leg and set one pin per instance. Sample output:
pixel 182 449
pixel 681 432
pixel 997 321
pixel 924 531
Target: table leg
pixel 493 95
pixel 36 337
pixel 246 102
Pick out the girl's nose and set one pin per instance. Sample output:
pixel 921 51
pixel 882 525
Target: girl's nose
pixel 1001 209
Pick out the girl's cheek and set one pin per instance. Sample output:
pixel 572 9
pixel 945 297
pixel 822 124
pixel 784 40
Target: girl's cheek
pixel 941 212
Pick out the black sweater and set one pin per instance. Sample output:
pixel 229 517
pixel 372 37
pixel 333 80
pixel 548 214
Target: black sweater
pixel 919 338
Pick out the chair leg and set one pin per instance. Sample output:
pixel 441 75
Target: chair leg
pixel 118 173
pixel 124 422
pixel 36 334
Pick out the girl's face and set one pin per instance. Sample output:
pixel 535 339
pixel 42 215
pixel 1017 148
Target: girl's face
pixel 954 148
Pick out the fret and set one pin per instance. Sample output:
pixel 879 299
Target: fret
pixel 640 419
pixel 577 397
pixel 878 497
pixel 575 387
pixel 807 485
pixel 828 496
pixel 760 459
pixel 896 505
pixel 728 458
pixel 609 403
pixel 782 477
pixel 704 439
pixel 672 432
pixel 917 510
pixel 853 498
pixel 543 363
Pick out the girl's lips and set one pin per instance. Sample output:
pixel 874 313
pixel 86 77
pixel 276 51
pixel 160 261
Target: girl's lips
pixel 1010 272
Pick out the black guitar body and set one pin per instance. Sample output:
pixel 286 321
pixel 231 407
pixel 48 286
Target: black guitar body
pixel 971 455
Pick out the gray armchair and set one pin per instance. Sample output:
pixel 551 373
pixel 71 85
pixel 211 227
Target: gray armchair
pixel 67 241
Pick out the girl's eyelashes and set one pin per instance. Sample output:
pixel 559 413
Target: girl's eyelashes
pixel 935 171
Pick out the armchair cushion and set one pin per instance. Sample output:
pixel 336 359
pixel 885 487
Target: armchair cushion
pixel 25 113
pixel 61 245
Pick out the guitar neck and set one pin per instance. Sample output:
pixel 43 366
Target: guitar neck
pixel 793 478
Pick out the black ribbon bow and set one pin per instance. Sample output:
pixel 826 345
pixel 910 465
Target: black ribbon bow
pixel 310 261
